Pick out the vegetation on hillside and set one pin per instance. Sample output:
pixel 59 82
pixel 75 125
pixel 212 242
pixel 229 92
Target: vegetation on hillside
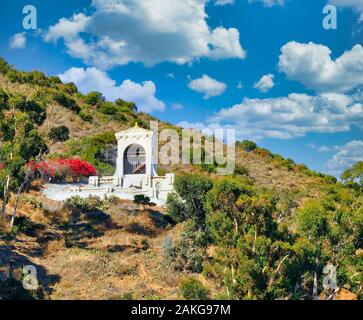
pixel 269 231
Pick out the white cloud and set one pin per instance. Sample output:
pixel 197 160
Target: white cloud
pixel 224 2
pixel 269 3
pixel 93 79
pixel 240 85
pixel 347 156
pixel 208 86
pixel 292 116
pixel 177 106
pixel 18 41
pixel 199 126
pixel 146 31
pixel 68 29
pixel 312 65
pixel 170 75
pixel 324 149
pixel 357 5
pixel 265 83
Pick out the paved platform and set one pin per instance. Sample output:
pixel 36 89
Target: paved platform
pixel 64 191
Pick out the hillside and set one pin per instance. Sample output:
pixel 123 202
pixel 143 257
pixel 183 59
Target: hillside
pixel 112 249
pixel 260 165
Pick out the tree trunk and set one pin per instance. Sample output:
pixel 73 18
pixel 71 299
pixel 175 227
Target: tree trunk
pixel 21 189
pixel 236 226
pixel 277 271
pixel 315 286
pixel 257 232
pixel 5 197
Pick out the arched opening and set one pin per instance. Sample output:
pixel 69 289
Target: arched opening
pixel 134 160
pixel 157 190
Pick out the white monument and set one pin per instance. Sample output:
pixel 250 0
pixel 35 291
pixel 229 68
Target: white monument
pixel 136 169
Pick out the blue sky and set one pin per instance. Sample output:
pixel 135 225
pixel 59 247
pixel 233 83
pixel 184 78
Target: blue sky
pixel 267 68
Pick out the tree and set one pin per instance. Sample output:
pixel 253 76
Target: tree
pixel 312 223
pixel 354 174
pixel 94 98
pixel 193 289
pixel 252 257
pixel 142 200
pixel 189 203
pixel 59 134
pixel 4 98
pixel 20 142
pixel 247 145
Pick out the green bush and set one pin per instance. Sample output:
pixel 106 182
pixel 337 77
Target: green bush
pixel 193 289
pixel 140 199
pixel 59 134
pixel 4 98
pixel 247 145
pixel 94 98
pixel 86 116
pixel 241 170
pixel 65 101
pixel 70 88
pixel 145 244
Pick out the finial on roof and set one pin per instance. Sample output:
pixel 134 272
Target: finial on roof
pixel 136 125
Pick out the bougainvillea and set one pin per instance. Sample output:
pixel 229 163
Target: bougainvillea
pixel 61 169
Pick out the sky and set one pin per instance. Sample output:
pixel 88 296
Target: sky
pixel 267 68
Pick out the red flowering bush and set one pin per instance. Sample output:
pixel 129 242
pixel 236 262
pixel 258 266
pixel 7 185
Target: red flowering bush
pixel 61 169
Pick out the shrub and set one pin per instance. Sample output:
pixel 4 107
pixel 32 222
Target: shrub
pixel 190 201
pixel 4 98
pixel 66 101
pixel 59 134
pixel 189 251
pixel 193 289
pixel 94 98
pixel 241 170
pixel 140 199
pixel 60 169
pixel 112 109
pixel 4 67
pixel 145 244
pixel 247 145
pixel 263 152
pixel 126 106
pixel 86 116
pixel 55 80
pixel 70 88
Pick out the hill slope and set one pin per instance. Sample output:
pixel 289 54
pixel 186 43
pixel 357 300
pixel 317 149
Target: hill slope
pixel 111 249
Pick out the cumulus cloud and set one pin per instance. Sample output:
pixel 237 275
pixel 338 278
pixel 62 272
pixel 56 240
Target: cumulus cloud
pixel 269 3
pixel 265 83
pixel 347 155
pixel 312 65
pixel 208 86
pixel 18 41
pixel 146 31
pixel 93 79
pixel 199 126
pixel 292 116
pixel 357 5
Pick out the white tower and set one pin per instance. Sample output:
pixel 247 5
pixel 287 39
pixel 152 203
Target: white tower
pixel 136 153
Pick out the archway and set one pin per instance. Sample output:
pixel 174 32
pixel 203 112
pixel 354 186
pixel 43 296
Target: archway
pixel 134 160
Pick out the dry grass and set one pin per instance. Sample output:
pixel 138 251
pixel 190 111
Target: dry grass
pixel 112 263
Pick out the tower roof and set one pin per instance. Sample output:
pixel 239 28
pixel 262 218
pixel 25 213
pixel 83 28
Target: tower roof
pixel 135 131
